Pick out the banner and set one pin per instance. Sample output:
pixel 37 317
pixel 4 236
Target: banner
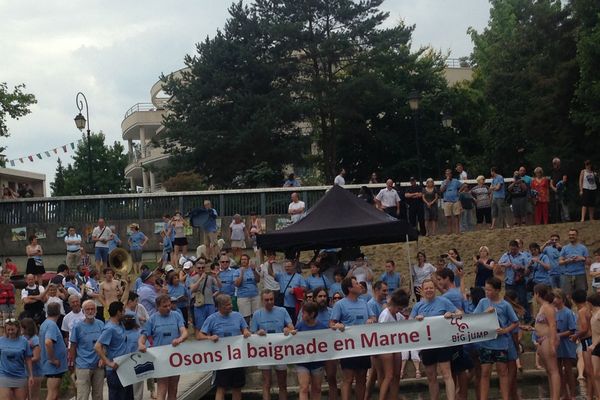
pixel 363 340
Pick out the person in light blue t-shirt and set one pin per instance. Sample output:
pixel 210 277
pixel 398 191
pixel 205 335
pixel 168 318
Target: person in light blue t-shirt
pixel 227 276
pixel 288 281
pixel 573 258
pixel 226 323
pixel 539 264
pixel 551 249
pixel 566 353
pixel 515 264
pixel 316 279
pixel 165 327
pixel 247 281
pixel 377 303
pixel 137 240
pixel 451 206
pixel 498 199
pixel 495 351
pixel 15 362
pixel 83 337
pixel 268 320
pixel 54 365
pixel 390 276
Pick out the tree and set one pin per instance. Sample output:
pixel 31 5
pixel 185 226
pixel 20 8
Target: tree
pixel 108 165
pixel 184 181
pixel 14 104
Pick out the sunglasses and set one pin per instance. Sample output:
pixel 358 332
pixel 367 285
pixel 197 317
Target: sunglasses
pixel 224 262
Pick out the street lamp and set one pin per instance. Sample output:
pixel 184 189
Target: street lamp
pixel 446 120
pixel 81 122
pixel 414 100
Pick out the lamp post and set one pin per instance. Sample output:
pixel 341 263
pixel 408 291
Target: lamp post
pixel 414 100
pixel 446 120
pixel 81 122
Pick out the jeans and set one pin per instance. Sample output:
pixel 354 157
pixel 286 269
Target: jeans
pixel 466 220
pixel 417 214
pixel 116 391
pixel 499 212
pixel 521 292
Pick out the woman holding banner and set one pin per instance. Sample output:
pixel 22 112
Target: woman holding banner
pixel 431 306
pixel 164 327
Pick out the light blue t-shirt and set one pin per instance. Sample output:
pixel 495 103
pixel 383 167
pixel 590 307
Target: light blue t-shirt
pixel 114 242
pixel 566 321
pixel 85 335
pixel 294 280
pixel 553 255
pixel 13 353
pixel 574 268
pixel 454 268
pixel 438 306
pixel 451 192
pixel 34 342
pixel 350 312
pixel 506 316
pixel 456 297
pixel 136 238
pixel 113 339
pixel 336 287
pixel 176 291
pixel 392 280
pixel 49 330
pixel 500 193
pixel 227 278
pixel 313 282
pixel 249 286
pixel 163 328
pixel 270 321
pixel 147 296
pixel 131 338
pixel 520 260
pixel 540 274
pixel 375 307
pixel 224 325
pixel 323 316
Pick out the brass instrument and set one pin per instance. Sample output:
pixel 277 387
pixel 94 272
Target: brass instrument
pixel 120 260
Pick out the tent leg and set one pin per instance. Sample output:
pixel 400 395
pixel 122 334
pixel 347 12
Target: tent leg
pixel 411 291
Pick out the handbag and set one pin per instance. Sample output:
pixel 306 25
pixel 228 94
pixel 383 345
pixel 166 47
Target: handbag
pixel 199 296
pixel 280 297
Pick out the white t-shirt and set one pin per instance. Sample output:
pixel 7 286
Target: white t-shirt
pixel 237 230
pixel 102 233
pixel 24 292
pixel 54 299
pixel 339 180
pixel 421 273
pixel 595 267
pixel 70 319
pixel 296 206
pixel 386 316
pixel 388 198
pixel 73 247
pixel 267 280
pixel 462 176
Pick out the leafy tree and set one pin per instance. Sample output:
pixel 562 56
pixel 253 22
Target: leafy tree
pixel 184 181
pixel 14 104
pixel 108 165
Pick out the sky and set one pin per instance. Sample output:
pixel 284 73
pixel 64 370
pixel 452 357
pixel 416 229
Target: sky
pixel 114 51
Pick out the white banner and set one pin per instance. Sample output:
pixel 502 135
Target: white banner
pixel 230 352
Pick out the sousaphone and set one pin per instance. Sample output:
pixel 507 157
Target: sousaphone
pixel 120 260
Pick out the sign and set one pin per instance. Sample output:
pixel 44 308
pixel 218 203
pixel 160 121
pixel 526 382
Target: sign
pixel 320 345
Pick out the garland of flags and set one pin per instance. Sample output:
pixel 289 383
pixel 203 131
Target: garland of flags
pixel 47 153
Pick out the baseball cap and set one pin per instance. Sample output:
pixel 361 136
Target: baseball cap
pixel 145 275
pixel 187 265
pixel 169 268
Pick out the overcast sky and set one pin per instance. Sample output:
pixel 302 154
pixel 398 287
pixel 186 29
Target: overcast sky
pixel 114 51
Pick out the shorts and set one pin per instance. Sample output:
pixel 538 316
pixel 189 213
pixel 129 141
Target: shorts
pixel 233 378
pixel 451 209
pixel 248 305
pixel 309 368
pixel 182 241
pixel 519 207
pixel 586 343
pixel 588 198
pixel 210 239
pixel 497 207
pixel 570 283
pixel 56 376
pixel 460 360
pixel 431 213
pixel 356 363
pixel 136 255
pixel 491 356
pixel 596 351
pixel 8 382
pixel 277 367
pixel 238 244
pixel 434 356
pixel 101 254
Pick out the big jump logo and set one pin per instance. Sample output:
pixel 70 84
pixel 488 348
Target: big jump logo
pixel 464 335
pixel 143 364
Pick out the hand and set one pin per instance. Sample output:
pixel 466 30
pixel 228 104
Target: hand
pixel 490 310
pixel 338 326
pixel 247 334
pixel 262 332
pixel 500 331
pixel 448 315
pixel 142 348
pixel 113 365
pixel 419 318
pixel 55 362
pixel 573 338
pixel 214 338
pixel 176 342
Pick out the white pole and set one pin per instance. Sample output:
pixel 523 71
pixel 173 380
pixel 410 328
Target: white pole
pixel 411 290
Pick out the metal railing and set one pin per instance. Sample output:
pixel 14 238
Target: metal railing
pixel 457 63
pixel 81 209
pixel 139 107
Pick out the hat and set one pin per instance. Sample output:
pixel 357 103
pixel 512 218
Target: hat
pixel 145 275
pixel 192 259
pixel 169 268
pixel 187 265
pixel 182 260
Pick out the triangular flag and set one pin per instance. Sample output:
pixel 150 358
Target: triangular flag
pixel 73 145
pixel 39 156
pixel 21 159
pixel 65 148
pixel 30 158
pixel 12 163
pixel 47 153
pixel 55 150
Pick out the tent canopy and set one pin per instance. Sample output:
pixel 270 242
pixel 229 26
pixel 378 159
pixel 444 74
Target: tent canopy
pixel 338 219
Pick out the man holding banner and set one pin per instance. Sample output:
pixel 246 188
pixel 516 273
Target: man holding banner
pixel 352 311
pixel 226 323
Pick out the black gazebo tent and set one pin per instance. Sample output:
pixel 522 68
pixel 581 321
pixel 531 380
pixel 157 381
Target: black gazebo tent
pixel 339 219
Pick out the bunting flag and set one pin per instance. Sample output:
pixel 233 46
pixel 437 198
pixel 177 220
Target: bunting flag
pixel 45 154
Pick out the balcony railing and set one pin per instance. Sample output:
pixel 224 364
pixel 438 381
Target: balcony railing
pixel 457 63
pixel 139 107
